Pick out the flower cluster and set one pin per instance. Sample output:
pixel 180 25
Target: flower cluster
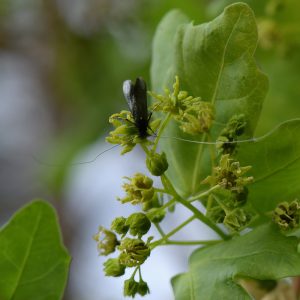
pixel 126 133
pixel 227 195
pixel 226 205
pixel 132 251
pixel 195 116
pixel 229 175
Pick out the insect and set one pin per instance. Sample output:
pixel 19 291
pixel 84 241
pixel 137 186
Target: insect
pixel 136 97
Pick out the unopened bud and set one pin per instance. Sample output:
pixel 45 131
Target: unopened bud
pixel 112 267
pixel 138 224
pixel 157 163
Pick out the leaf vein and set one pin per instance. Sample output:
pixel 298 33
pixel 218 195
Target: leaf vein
pixel 223 61
pixel 277 170
pixel 27 253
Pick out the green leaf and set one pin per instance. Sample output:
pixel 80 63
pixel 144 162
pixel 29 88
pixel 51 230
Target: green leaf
pixel 263 254
pixel 33 261
pixel 214 61
pixel 275 162
pixel 163 49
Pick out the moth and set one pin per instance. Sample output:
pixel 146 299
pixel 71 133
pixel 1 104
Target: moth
pixel 136 97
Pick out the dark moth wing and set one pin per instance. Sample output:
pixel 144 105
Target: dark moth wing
pixel 136 97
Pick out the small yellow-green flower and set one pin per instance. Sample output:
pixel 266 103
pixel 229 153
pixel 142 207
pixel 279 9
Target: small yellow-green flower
pixel 229 175
pixel 138 190
pixel 197 118
pixel 133 252
pixel 126 132
pixel 106 241
pixel 237 219
pixel 287 215
pixel 194 116
pixel 112 267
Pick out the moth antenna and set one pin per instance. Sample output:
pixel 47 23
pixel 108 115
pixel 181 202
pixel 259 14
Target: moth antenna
pixel 41 162
pixel 254 139
pixel 210 143
pixel 154 107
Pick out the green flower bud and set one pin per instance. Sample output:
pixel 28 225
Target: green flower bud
pixel 112 267
pixel 106 241
pixel 130 287
pixel 119 225
pixel 138 223
pixel 157 163
pixel 156 215
pixel 133 252
pixel 143 288
pixel 287 215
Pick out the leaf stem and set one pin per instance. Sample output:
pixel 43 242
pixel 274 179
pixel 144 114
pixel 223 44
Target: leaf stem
pixel 134 272
pixel 144 147
pixel 191 243
pixel 203 194
pixel 199 215
pixel 222 205
pixel 198 160
pixel 171 202
pixel 160 131
pixel 160 190
pixel 165 238
pixel 159 229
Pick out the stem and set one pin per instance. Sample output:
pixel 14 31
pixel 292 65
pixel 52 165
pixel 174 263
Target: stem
pixel 209 203
pixel 199 215
pixel 171 202
pixel 160 190
pixel 159 229
pixel 165 238
pixel 146 150
pixel 223 206
pixel 134 272
pixel 191 243
pixel 203 194
pixel 140 273
pixel 198 159
pixel 160 131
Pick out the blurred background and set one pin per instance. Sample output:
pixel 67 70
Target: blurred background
pixel 62 65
